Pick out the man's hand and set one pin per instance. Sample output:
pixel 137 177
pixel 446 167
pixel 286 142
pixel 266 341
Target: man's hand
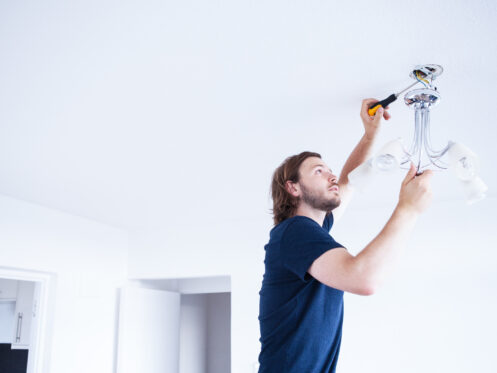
pixel 372 124
pixel 415 192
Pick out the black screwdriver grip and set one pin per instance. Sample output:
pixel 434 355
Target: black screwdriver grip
pixel 383 103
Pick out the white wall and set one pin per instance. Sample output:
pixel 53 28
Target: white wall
pixel 89 262
pixel 231 247
pixel 193 333
pixel 218 333
pixel 437 311
pixel 438 305
pixel 205 333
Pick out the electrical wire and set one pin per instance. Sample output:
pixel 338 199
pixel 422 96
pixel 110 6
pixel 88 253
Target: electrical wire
pixel 420 79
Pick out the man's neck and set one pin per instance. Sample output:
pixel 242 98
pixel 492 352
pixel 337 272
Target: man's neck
pixel 316 215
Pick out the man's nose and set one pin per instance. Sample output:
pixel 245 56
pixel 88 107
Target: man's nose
pixel 332 177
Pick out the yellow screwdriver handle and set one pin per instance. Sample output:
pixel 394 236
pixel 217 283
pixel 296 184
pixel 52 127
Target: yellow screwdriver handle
pixel 373 110
pixel 383 103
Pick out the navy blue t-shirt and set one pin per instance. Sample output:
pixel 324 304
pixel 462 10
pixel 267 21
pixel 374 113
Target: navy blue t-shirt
pixel 300 318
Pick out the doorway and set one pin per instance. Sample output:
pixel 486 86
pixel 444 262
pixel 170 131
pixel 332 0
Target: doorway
pixel 175 325
pixel 24 317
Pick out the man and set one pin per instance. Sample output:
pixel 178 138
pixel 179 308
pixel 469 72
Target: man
pixel 307 271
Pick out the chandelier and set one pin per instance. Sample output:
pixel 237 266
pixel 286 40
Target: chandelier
pixel 393 155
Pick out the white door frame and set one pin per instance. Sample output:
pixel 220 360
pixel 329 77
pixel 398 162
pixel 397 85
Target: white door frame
pixel 148 339
pixel 38 361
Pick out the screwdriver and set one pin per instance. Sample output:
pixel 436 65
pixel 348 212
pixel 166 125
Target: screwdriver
pixel 384 103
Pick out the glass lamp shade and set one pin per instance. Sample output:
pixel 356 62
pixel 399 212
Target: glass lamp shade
pixel 474 189
pixel 389 156
pixel 362 175
pixel 463 161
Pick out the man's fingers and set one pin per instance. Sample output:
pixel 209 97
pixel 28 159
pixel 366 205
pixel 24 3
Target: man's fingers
pixel 410 174
pixel 367 103
pixel 427 174
pixel 378 115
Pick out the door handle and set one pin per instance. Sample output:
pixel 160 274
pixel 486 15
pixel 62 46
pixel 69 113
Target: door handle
pixel 19 327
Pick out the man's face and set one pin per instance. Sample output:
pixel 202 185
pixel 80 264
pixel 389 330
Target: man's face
pixel 319 186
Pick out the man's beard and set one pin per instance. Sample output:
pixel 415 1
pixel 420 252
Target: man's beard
pixel 319 202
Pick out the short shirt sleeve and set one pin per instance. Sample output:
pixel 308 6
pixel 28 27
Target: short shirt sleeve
pixel 302 243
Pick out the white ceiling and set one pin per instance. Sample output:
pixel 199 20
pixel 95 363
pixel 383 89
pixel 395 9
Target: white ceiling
pixel 144 113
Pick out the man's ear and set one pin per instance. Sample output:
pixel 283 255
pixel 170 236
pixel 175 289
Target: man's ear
pixel 292 188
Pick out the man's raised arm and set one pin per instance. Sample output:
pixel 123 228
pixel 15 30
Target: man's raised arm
pixel 364 273
pixel 360 154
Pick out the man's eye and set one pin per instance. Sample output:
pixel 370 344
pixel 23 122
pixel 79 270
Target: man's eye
pixel 318 170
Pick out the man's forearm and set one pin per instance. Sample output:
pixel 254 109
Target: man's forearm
pixel 377 259
pixel 360 154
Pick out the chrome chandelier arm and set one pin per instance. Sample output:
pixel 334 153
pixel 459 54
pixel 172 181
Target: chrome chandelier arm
pixel 421 152
pixel 428 147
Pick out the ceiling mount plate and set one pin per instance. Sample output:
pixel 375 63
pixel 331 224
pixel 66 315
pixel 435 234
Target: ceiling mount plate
pixel 429 71
pixel 423 97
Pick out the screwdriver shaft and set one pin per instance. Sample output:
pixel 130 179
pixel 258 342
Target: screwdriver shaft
pixel 412 85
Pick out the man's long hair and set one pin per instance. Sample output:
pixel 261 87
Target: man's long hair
pixel 284 204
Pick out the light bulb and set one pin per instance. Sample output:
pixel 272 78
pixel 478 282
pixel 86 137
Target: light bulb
pixel 474 189
pixel 463 161
pixel 385 162
pixel 389 156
